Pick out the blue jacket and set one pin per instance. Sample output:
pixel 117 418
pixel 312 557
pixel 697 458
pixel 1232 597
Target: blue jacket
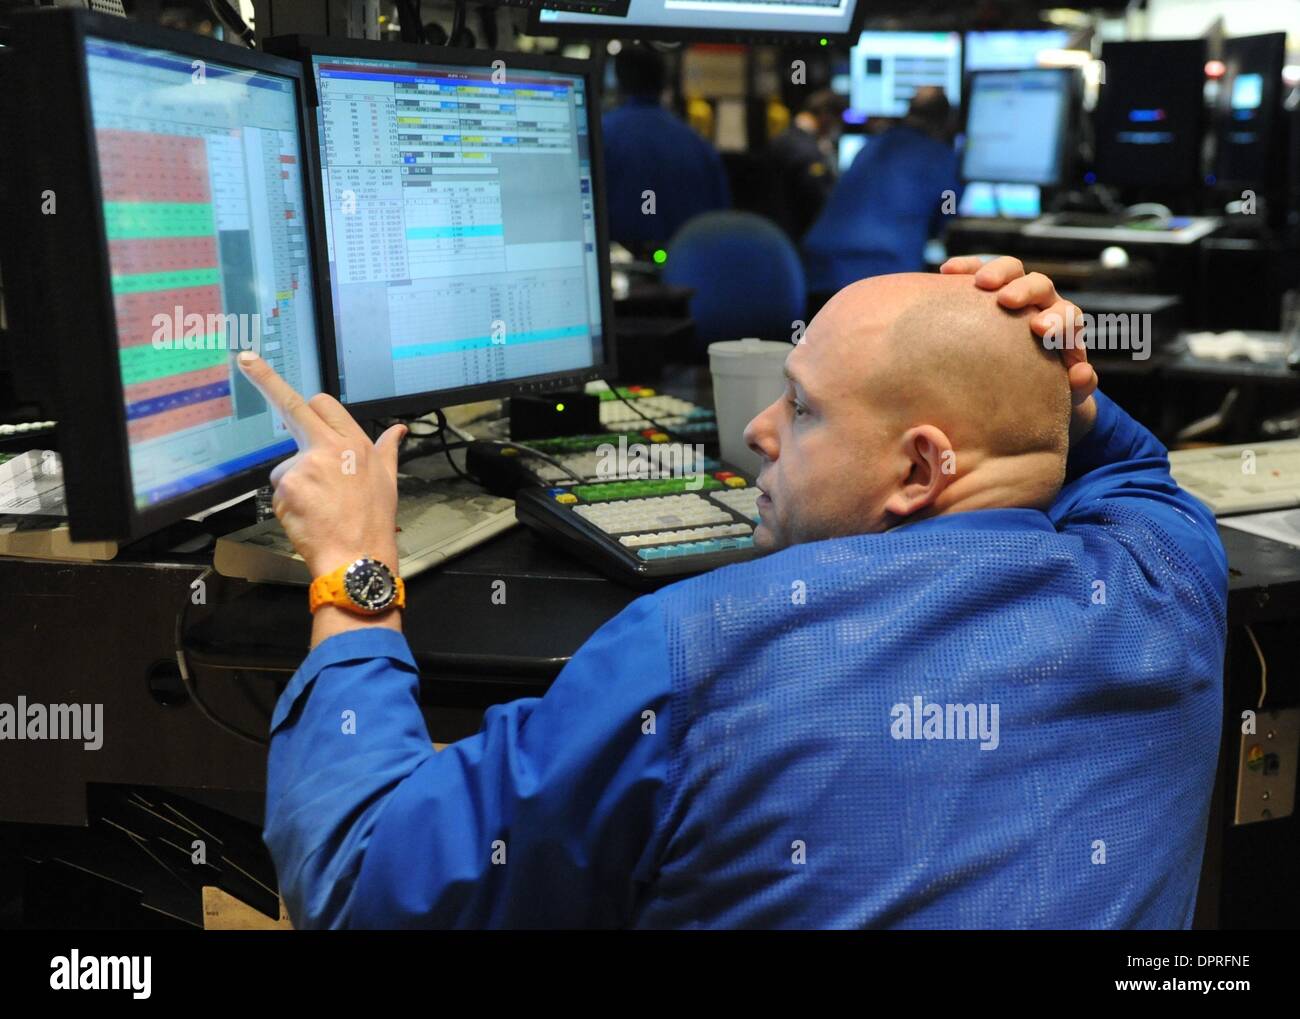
pixel 882 211
pixel 1000 718
pixel 648 149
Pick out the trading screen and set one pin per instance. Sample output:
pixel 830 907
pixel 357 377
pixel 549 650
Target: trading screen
pixel 1015 126
pixel 203 202
pixel 832 17
pixel 461 224
pixel 886 69
pixel 1011 50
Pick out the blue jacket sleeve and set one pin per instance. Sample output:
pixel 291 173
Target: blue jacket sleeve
pixel 546 817
pixel 1121 471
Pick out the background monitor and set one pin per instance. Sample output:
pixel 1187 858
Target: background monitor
pixel 1247 117
pixel 1011 50
pixel 989 200
pixel 1149 119
pixel 1017 123
pixel 833 20
pixel 184 232
pixel 886 69
pixel 467 247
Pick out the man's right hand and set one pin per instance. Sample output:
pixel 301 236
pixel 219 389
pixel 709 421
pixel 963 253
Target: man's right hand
pixel 1015 290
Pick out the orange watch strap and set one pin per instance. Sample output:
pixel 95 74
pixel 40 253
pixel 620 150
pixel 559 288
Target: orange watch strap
pixel 327 589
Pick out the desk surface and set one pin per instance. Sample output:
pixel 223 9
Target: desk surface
pixel 461 637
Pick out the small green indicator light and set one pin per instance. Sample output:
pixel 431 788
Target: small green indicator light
pixel 824 43
pixel 559 406
pixel 661 256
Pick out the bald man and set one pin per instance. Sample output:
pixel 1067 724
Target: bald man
pixel 976 683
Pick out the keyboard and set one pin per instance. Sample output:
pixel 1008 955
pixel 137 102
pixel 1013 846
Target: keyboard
pixel 646 531
pixel 683 418
pixel 596 457
pixel 436 521
pixel 1249 478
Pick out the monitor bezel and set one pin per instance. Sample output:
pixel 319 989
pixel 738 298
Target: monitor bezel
pixel 1071 78
pixel 78 299
pixel 666 33
pixel 302 48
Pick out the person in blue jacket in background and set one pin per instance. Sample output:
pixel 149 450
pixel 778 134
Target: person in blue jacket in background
pixel 889 202
pixel 658 172
pixel 988 618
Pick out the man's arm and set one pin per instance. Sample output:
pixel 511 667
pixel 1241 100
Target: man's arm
pixel 1118 469
pixel 547 817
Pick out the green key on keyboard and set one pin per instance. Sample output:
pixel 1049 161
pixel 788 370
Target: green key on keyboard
pixel 646 489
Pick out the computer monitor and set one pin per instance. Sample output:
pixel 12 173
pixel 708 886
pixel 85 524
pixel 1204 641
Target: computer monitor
pixel 835 21
pixel 1017 123
pixel 1247 117
pixel 179 181
pixel 1149 119
pixel 466 232
pixel 886 69
pixel 1011 50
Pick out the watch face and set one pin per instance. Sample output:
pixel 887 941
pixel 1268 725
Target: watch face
pixel 369 583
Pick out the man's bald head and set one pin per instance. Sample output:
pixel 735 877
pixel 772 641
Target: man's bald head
pixel 912 395
pixel 953 356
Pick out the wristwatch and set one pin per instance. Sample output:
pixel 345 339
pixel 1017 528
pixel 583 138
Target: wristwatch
pixel 365 586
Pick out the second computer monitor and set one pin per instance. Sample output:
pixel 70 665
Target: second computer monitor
pixel 1017 123
pixel 887 68
pixel 1149 117
pixel 466 237
pixel 1248 112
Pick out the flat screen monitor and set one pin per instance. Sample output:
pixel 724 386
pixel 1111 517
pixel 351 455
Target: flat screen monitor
pixel 1248 112
pixel 1017 123
pixel 1011 50
pixel 184 232
pixel 886 69
pixel 832 20
pixel 464 221
pixel 1149 119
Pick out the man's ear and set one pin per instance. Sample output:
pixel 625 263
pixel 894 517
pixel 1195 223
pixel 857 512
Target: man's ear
pixel 931 467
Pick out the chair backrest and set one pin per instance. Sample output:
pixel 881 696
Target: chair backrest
pixel 746 273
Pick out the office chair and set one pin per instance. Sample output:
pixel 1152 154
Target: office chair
pixel 745 272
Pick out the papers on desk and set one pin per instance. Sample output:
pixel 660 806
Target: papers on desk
pixel 1261 348
pixel 32 483
pixel 1280 525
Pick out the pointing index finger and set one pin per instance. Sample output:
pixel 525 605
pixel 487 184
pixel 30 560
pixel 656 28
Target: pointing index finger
pixel 304 423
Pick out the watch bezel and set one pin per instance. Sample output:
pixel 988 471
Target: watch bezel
pixel 349 578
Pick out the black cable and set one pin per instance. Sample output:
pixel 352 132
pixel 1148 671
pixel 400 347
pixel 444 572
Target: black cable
pixel 615 390
pixel 230 20
pixel 411 26
pixel 191 687
pixel 457 24
pixel 446 449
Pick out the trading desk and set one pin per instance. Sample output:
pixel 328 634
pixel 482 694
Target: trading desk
pixel 108 633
